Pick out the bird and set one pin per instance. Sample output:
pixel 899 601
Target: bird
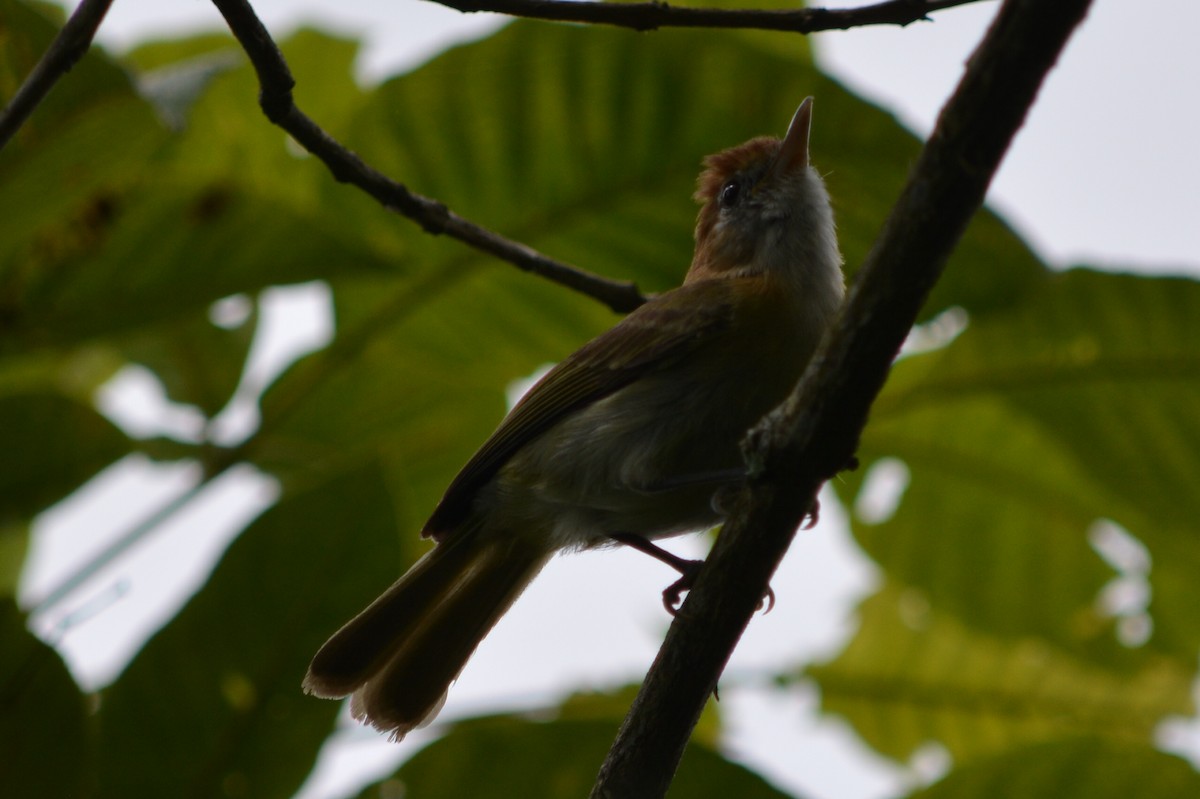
pixel 628 440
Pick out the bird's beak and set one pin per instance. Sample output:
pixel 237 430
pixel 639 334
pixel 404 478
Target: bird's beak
pixel 793 154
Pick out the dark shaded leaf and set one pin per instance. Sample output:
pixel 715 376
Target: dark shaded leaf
pixel 502 757
pixel 44 730
pixel 198 362
pixel 52 444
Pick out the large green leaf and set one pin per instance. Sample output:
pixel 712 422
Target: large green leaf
pixel 52 444
pixel 1080 769
pixel 915 673
pixel 141 225
pixel 586 142
pixel 198 362
pixel 64 175
pixel 502 757
pixel 1076 405
pixel 44 731
pixel 213 704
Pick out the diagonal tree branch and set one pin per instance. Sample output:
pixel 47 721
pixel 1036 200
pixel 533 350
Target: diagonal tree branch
pixel 646 16
pixel 814 434
pixel 275 97
pixel 67 48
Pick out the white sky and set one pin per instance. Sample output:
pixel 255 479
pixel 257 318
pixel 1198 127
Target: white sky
pixel 1106 171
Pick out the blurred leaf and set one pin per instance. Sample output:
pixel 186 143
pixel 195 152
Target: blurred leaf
pixel 44 731
pixel 14 545
pixel 198 362
pixel 212 705
pixel 915 673
pixel 1074 406
pixel 612 706
pixel 53 445
pixel 28 29
pixel 155 58
pixel 1080 769
pixel 143 226
pixel 505 756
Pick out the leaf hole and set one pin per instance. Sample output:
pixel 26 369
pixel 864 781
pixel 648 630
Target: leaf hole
pixel 938 332
pixel 1125 598
pixel 232 312
pixel 882 490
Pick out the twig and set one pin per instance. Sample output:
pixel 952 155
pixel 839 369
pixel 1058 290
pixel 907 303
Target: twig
pixel 275 97
pixel 646 16
pixel 815 432
pixel 67 48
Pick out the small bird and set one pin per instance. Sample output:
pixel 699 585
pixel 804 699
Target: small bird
pixel 626 441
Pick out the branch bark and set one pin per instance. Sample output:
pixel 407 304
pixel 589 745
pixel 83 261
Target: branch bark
pixel 647 16
pixel 275 97
pixel 67 48
pixel 814 434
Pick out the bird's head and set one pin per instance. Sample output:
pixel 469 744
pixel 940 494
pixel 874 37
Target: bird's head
pixel 766 212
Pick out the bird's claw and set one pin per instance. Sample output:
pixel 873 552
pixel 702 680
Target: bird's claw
pixel 769 599
pixel 673 593
pixel 812 517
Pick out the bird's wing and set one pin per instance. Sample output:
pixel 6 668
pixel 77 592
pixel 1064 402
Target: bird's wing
pixel 654 336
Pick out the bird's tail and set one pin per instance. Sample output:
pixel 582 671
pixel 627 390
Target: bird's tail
pixel 399 656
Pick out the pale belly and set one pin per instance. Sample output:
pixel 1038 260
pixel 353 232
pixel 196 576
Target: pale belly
pixel 644 461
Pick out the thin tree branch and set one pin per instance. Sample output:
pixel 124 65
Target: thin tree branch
pixel 646 16
pixel 814 434
pixel 275 97
pixel 67 48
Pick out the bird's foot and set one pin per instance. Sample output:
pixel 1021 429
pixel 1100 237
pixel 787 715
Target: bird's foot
pixel 688 569
pixel 812 517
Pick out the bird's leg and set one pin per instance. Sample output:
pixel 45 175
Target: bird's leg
pixel 688 569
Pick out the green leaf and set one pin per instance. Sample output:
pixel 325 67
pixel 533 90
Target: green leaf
pixel 53 444
pixel 504 756
pixel 915 673
pixel 1075 405
pixel 63 176
pixel 28 29
pixel 142 225
pixel 213 704
pixel 1080 769
pixel 587 141
pixel 44 729
pixel 613 705
pixel 198 362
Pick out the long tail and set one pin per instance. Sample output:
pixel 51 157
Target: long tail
pixel 399 656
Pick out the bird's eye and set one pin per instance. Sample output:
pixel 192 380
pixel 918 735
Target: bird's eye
pixel 729 194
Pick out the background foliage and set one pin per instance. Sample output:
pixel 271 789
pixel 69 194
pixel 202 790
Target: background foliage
pixel 145 190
